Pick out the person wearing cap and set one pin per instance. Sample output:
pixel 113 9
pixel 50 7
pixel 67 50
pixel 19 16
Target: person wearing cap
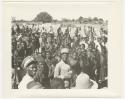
pixel 62 69
pixel 30 65
pixel 83 47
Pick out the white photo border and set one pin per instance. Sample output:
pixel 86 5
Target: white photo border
pixel 114 56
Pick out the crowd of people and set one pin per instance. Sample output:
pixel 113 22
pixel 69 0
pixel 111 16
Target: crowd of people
pixel 45 59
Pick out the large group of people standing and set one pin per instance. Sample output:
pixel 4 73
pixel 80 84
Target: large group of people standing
pixel 45 59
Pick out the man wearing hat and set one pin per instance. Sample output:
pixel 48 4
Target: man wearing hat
pixel 30 65
pixel 62 69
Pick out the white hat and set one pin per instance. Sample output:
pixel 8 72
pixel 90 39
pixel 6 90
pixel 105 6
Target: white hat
pixel 84 82
pixel 27 60
pixel 64 50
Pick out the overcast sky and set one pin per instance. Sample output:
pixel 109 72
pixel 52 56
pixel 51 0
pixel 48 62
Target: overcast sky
pixel 60 10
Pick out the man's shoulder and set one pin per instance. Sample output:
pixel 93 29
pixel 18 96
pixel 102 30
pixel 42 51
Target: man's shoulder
pixel 34 85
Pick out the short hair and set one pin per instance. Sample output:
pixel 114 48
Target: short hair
pixel 57 83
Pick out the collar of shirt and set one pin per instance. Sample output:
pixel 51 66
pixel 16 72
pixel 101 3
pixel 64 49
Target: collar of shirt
pixel 62 62
pixel 26 79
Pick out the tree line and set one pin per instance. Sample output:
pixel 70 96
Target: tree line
pixel 45 17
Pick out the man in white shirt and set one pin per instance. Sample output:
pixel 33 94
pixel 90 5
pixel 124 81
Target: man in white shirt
pixel 29 64
pixel 62 69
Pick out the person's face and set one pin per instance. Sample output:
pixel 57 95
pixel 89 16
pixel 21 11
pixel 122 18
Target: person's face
pixel 74 55
pixel 32 69
pixel 99 40
pixel 43 54
pixel 40 66
pixel 47 55
pixel 22 44
pixel 64 57
pixel 66 84
pixel 90 47
pixel 83 46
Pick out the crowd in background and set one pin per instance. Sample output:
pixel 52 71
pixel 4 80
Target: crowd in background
pixel 43 58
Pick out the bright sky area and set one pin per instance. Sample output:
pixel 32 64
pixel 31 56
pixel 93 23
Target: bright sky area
pixel 28 11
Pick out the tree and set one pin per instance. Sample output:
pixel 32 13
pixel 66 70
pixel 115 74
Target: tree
pixel 43 17
pixel 95 19
pixel 85 20
pixel 80 19
pixel 65 20
pixel 89 19
pixel 73 20
pixel 101 21
pixel 13 19
pixel 55 20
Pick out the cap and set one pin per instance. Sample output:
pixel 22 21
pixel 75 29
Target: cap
pixel 64 50
pixel 27 61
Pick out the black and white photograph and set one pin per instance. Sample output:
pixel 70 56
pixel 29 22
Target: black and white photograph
pixel 72 46
pixel 57 49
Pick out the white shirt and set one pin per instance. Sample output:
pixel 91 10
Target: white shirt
pixel 26 79
pixel 98 46
pixel 61 70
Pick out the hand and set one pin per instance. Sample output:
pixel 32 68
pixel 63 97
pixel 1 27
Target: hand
pixel 67 76
pixel 96 72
